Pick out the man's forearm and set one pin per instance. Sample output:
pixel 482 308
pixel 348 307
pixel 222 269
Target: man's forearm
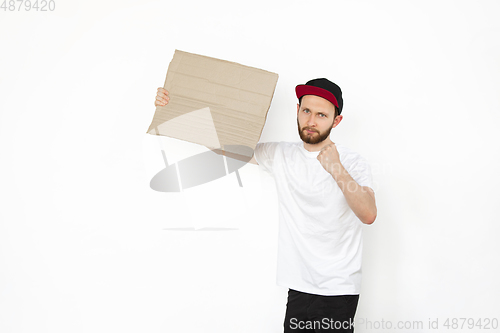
pixel 360 199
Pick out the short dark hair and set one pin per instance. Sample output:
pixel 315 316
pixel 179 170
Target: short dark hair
pixel 336 109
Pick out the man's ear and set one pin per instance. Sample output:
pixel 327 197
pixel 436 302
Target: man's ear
pixel 337 120
pixel 298 107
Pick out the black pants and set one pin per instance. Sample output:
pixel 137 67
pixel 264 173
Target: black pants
pixel 316 313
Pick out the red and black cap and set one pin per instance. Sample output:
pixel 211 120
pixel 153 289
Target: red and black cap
pixel 322 88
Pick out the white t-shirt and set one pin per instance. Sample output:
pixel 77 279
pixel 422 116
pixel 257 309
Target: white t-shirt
pixel 320 237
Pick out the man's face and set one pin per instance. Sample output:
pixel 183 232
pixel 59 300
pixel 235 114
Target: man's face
pixel 315 119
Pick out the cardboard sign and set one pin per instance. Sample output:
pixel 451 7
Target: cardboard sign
pixel 216 103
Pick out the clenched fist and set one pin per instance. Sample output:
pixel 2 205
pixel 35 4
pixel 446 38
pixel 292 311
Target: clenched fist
pixel 330 159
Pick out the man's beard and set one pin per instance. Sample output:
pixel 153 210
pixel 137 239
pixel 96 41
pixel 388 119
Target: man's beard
pixel 315 138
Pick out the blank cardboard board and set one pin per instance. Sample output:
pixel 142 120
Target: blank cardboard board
pixel 216 103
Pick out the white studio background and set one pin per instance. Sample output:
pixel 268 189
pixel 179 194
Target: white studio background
pixel 87 246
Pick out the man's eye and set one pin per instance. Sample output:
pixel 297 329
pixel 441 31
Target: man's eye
pixel 306 110
pixel 322 115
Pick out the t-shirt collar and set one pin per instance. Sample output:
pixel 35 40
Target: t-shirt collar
pixel 307 153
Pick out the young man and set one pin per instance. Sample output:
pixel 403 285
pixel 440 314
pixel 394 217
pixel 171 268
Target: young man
pixel 325 195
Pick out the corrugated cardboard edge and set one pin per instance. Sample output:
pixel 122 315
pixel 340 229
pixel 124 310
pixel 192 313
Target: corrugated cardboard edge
pixel 218 150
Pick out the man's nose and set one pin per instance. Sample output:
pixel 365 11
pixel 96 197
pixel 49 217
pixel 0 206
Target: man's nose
pixel 310 121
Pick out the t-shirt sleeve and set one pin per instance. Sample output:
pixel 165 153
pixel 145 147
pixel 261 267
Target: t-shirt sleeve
pixel 264 155
pixel 360 171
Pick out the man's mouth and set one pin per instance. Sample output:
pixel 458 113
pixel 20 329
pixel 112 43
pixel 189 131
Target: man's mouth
pixel 310 131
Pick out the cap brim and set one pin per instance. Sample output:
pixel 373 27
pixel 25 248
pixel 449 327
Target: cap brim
pixel 303 89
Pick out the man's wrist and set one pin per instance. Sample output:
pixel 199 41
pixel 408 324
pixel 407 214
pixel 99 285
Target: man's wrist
pixel 336 170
